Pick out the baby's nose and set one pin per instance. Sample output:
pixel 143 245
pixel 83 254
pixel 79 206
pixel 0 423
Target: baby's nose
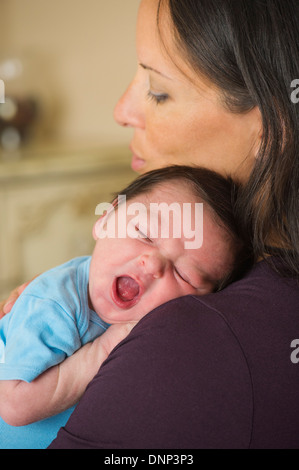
pixel 153 264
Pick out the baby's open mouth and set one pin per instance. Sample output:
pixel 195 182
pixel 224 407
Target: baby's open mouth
pixel 125 291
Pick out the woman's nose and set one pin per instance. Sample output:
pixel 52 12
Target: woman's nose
pixel 153 264
pixel 128 111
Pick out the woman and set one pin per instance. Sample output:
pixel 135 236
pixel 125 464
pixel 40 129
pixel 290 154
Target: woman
pixel 213 88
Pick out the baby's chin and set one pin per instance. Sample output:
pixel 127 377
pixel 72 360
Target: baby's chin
pixel 133 315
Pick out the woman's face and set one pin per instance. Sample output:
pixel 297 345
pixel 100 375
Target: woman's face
pixel 177 116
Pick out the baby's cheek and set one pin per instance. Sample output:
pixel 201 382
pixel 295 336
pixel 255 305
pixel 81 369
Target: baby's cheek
pixel 173 289
pixel 187 289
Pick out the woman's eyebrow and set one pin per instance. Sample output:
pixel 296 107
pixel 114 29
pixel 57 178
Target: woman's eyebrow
pixel 147 67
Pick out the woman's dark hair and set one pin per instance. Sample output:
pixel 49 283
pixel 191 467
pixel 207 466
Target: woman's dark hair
pixel 218 192
pixel 250 50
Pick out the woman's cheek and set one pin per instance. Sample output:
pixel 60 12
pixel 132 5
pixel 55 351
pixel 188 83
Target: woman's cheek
pixel 162 142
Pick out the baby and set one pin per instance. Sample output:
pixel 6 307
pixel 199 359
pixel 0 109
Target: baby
pixel 182 241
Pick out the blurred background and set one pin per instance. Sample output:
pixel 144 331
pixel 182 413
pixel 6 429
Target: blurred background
pixel 64 64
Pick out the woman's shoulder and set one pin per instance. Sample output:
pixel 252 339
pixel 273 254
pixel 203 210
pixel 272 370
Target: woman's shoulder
pixel 247 328
pixel 238 342
pixel 261 308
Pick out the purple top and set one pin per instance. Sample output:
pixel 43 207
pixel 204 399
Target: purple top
pixel 200 372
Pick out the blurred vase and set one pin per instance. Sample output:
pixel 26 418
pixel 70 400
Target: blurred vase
pixel 21 106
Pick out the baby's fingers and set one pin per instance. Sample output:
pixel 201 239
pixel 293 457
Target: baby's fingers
pixel 114 335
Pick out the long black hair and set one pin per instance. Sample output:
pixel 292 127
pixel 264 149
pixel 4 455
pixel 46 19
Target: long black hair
pixel 250 50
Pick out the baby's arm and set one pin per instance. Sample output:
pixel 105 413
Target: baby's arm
pixel 61 386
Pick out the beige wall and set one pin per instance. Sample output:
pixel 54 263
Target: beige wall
pixel 82 56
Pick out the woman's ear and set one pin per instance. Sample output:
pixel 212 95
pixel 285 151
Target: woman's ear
pixel 257 116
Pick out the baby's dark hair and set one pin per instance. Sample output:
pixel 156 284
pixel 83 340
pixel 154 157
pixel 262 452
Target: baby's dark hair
pixel 217 191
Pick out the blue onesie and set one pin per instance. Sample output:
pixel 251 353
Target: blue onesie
pixel 49 322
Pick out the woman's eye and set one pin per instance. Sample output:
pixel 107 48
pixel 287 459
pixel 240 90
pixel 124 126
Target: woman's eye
pixel 158 98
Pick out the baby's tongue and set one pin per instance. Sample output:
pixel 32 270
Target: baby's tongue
pixel 127 288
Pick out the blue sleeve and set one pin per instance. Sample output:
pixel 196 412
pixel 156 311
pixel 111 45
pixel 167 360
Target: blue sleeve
pixel 36 335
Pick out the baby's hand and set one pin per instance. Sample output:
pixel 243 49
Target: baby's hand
pixel 114 335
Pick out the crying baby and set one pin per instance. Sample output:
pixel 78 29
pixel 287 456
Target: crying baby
pixel 127 276
pixel 154 261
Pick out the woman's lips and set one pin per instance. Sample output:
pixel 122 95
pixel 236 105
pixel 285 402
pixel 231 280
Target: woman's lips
pixel 126 292
pixel 137 162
